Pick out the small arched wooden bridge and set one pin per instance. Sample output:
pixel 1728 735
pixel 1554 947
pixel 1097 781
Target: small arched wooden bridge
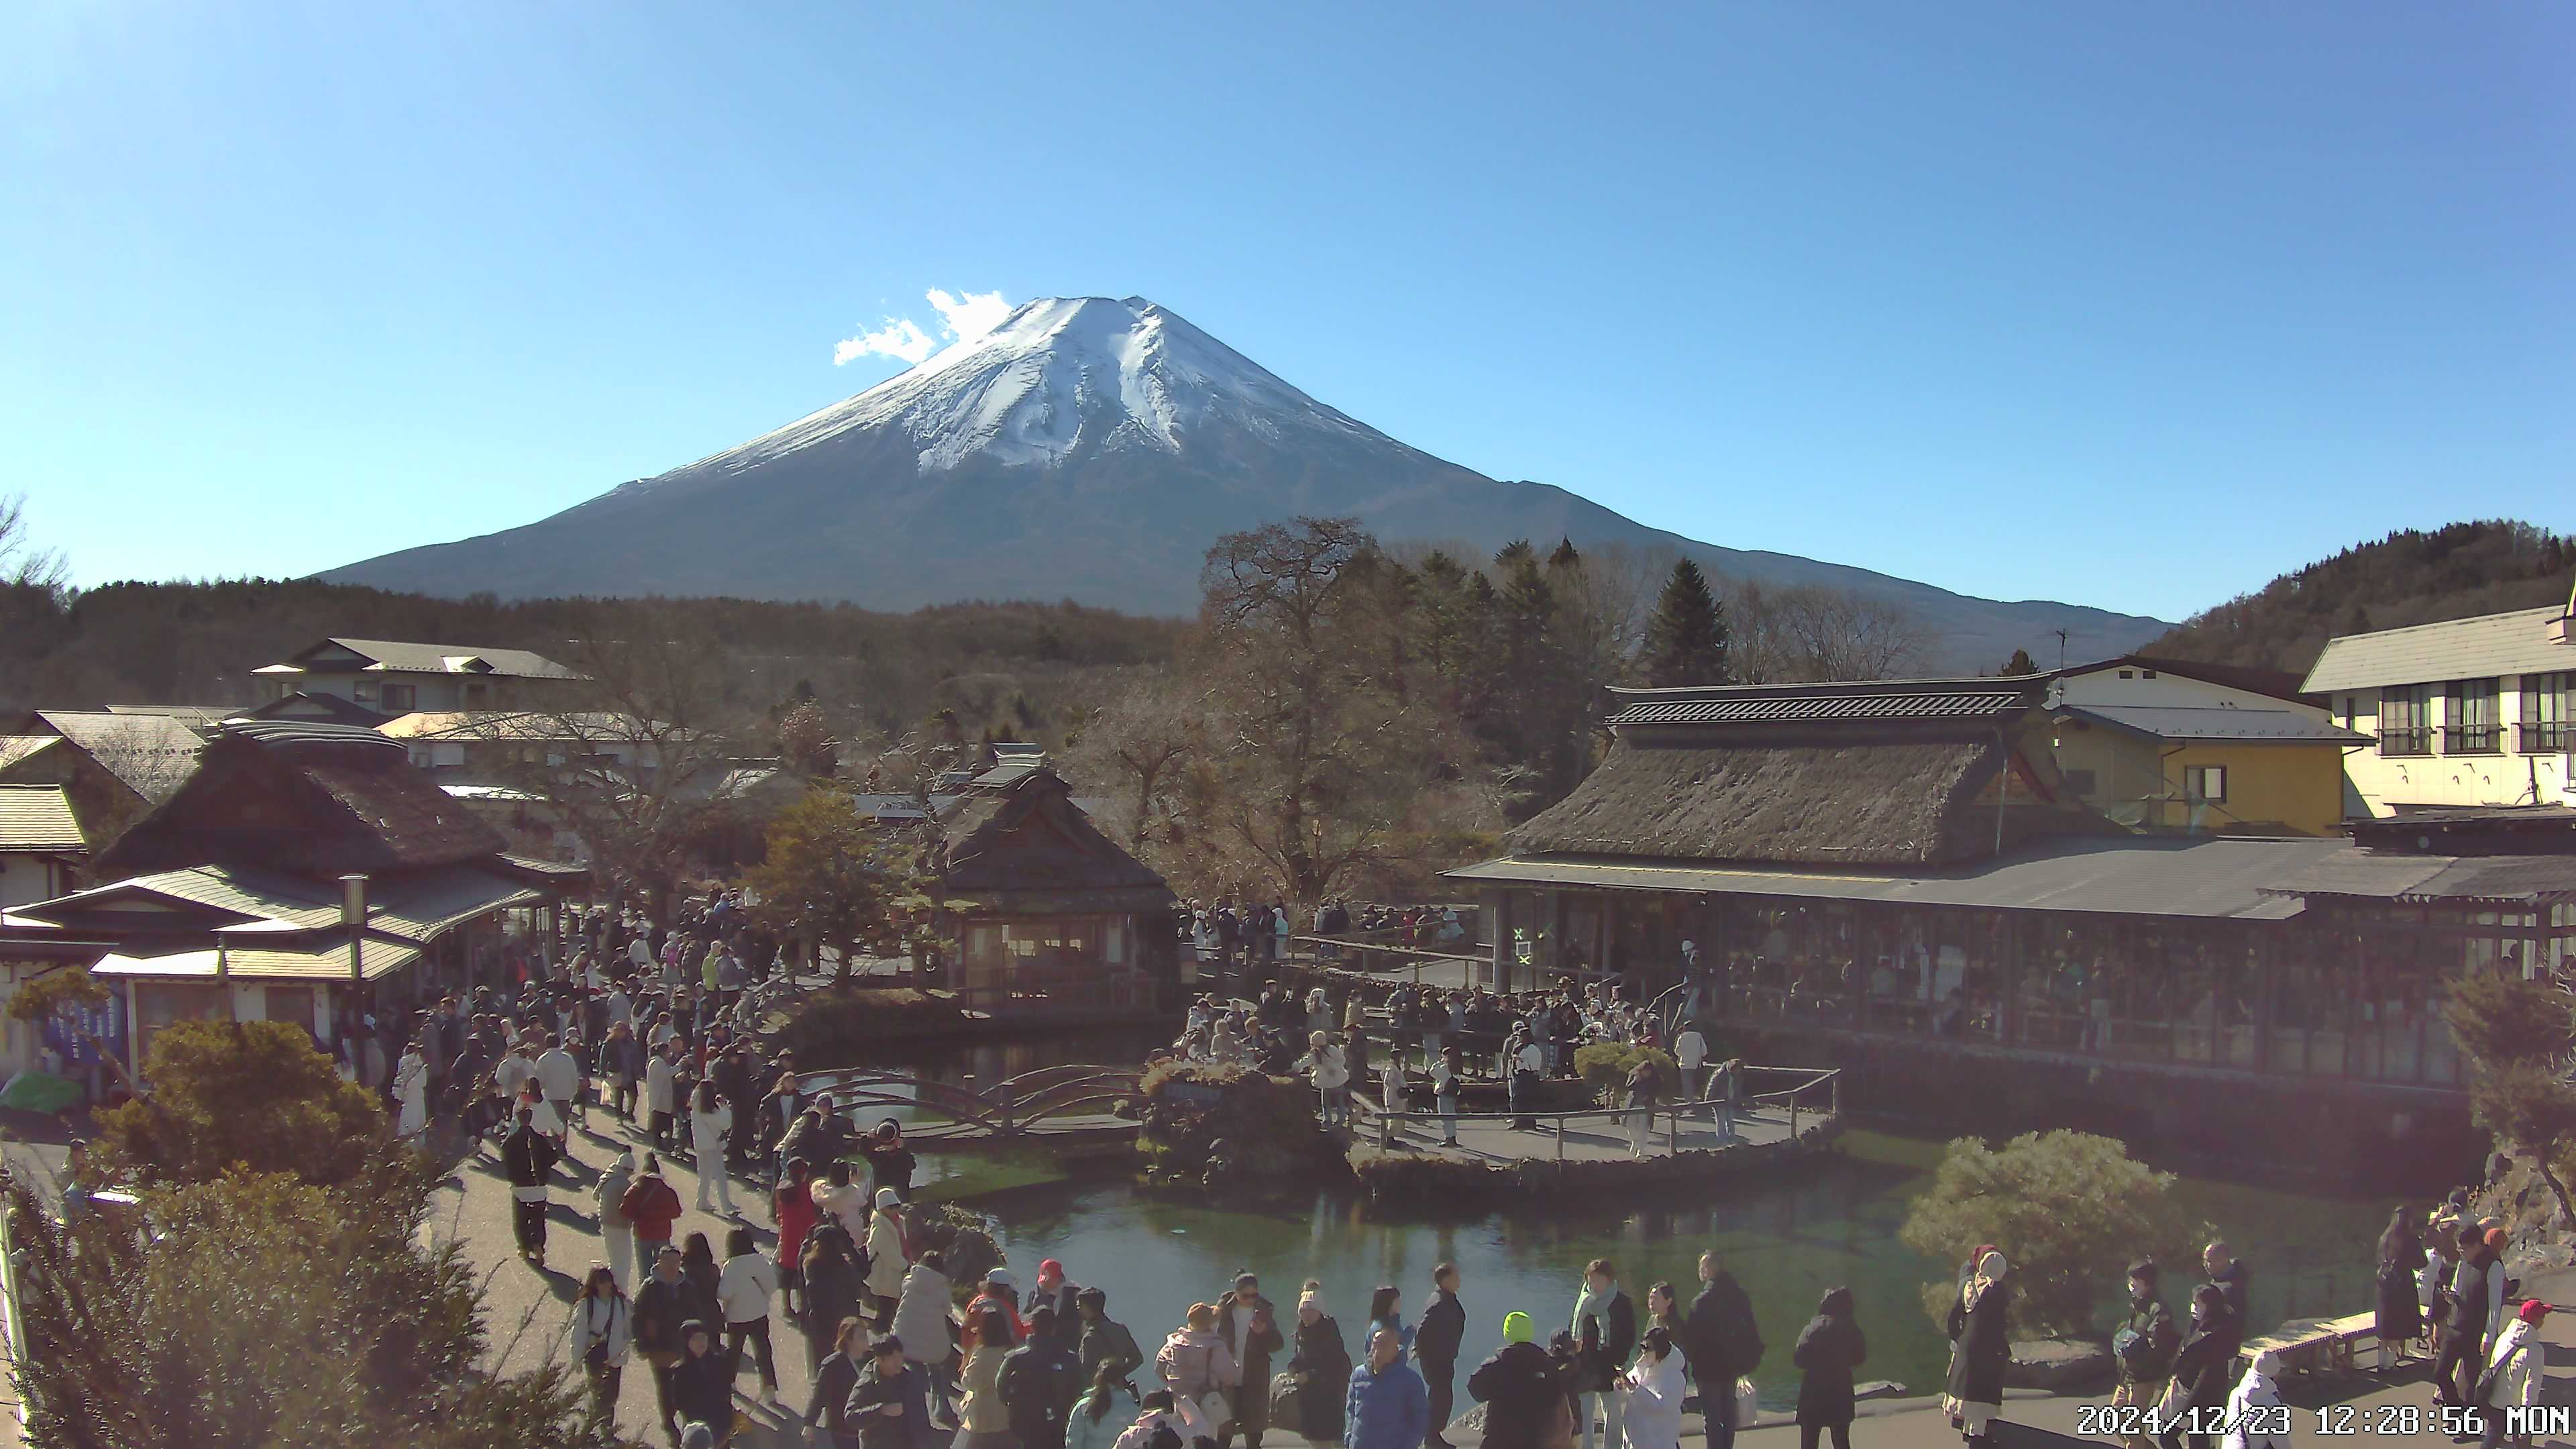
pixel 1061 1107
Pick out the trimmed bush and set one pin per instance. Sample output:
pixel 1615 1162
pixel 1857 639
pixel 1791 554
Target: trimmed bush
pixel 1266 1126
pixel 1604 1066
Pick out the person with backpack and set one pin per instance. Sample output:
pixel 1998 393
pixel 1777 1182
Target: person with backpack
pixel 603 1330
pixel 2143 1347
pixel 1722 1344
pixel 2513 1379
pixel 1038 1383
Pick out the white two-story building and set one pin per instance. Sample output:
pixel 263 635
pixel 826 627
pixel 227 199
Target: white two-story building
pixel 2474 712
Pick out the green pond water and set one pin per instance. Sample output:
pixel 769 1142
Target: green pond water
pixel 1823 1223
pixel 1830 1222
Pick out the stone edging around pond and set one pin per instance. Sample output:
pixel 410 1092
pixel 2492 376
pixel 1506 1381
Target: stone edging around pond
pixel 1412 1177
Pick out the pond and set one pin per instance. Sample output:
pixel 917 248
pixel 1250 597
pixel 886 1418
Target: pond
pixel 1830 1222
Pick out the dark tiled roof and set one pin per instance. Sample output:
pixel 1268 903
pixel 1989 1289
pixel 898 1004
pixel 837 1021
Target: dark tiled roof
pixel 1865 700
pixel 309 799
pixel 1027 837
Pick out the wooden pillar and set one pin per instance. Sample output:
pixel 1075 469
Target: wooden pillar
pixel 1498 967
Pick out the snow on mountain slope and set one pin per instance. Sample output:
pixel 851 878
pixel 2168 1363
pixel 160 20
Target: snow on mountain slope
pixel 1091 450
pixel 1061 374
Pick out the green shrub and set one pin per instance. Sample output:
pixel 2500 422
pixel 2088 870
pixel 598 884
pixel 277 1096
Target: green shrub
pixel 1267 1124
pixel 2068 1211
pixel 1604 1066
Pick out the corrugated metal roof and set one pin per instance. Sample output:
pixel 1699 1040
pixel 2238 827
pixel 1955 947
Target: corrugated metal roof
pixel 38 818
pixel 2527 879
pixel 376 960
pixel 2479 648
pixel 152 754
pixel 16 748
pixel 424 905
pixel 2206 879
pixel 401 657
pixel 2193 722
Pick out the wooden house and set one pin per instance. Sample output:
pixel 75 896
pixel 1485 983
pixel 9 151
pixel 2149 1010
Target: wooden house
pixel 1058 918
pixel 305 872
pixel 1895 877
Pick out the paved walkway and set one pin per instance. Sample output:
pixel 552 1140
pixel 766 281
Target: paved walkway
pixel 529 1311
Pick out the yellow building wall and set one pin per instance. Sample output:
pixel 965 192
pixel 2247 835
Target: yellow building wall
pixel 2297 786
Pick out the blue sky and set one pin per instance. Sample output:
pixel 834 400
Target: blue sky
pixel 2133 306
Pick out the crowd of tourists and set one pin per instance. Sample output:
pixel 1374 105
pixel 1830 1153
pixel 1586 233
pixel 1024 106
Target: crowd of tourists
pixel 1440 1041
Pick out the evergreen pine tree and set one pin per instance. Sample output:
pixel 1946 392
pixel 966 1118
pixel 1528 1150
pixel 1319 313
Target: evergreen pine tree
pixel 2020 663
pixel 1565 557
pixel 1686 640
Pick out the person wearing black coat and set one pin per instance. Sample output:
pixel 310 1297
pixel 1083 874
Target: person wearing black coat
pixel 1721 1344
pixel 835 1287
pixel 701 1390
pixel 1829 1348
pixel 1980 1349
pixel 1435 1349
pixel 1321 1366
pixel 2400 1317
pixel 2206 1368
pixel 827 1408
pixel 1521 1389
pixel 529 1159
pixel 1038 1383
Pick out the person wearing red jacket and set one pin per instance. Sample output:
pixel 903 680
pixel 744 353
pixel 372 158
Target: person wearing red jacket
pixel 653 1208
pixel 999 1292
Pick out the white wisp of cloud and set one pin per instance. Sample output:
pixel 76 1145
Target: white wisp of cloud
pixel 963 317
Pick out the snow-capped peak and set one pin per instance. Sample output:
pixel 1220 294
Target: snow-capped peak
pixel 1062 373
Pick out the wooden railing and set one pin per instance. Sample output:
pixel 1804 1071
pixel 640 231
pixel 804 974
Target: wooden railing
pixel 1799 1097
pixel 1013 1107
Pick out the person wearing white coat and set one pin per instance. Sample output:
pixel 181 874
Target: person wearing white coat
pixel 2255 1407
pixel 661 1096
pixel 1331 1073
pixel 743 1291
pixel 2515 1366
pixel 709 1120
pixel 1650 1395
pixel 411 1089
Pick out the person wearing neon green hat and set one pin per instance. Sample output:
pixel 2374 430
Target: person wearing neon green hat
pixel 1523 1394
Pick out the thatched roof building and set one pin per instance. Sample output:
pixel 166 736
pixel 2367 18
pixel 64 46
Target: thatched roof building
pixel 1891 773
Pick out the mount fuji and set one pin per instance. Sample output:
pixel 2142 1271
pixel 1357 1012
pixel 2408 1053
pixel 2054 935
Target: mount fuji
pixel 1092 450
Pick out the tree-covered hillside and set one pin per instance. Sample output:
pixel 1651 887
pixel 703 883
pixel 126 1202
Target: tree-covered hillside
pixel 2410 577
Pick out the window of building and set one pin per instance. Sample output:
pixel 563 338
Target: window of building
pixel 2128 674
pixel 2080 783
pixel 2470 728
pixel 400 696
pixel 2205 783
pixel 2405 721
pixel 2548 713
pixel 2146 674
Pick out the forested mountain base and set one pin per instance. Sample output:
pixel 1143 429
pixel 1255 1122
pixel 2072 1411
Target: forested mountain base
pixel 2412 576
pixel 1009 668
